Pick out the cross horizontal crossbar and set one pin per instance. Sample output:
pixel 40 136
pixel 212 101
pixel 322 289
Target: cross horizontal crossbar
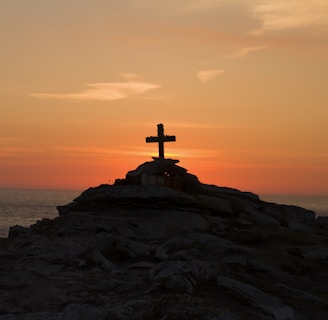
pixel 157 139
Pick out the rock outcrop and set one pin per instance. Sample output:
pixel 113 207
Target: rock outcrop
pixel 137 250
pixel 163 172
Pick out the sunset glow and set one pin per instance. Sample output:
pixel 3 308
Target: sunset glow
pixel 241 84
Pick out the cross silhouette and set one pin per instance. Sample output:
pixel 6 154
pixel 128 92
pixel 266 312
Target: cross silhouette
pixel 160 139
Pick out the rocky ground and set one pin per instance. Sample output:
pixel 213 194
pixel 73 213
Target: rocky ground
pixel 151 252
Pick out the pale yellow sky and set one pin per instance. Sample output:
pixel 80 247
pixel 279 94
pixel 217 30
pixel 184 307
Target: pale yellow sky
pixel 242 84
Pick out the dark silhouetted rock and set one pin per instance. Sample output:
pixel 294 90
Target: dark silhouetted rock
pixel 321 224
pixel 161 245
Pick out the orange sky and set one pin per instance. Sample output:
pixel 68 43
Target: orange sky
pixel 242 84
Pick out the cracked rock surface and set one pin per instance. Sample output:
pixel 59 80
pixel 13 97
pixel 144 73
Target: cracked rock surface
pixel 122 252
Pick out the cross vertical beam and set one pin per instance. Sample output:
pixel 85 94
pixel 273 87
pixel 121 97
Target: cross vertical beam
pixel 160 134
pixel 160 139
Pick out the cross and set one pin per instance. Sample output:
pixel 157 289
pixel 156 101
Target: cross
pixel 161 138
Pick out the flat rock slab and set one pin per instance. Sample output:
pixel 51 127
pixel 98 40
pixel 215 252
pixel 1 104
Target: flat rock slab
pixel 256 298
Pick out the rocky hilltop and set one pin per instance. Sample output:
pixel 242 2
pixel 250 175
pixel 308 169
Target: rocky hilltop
pixel 161 245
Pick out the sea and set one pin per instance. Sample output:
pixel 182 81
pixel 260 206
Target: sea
pixel 25 207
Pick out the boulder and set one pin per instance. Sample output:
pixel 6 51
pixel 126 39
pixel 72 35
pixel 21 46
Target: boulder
pixel 259 218
pixel 321 224
pixel 218 205
pixel 294 217
pixel 206 245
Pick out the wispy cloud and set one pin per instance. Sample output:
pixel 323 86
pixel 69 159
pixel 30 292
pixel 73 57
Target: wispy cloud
pixel 281 14
pixel 104 91
pixel 104 153
pixel 13 151
pixel 243 52
pixel 146 151
pixel 205 76
pixel 193 125
pixel 9 147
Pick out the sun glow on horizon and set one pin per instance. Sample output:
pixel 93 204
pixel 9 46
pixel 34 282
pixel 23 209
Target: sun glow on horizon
pixel 242 85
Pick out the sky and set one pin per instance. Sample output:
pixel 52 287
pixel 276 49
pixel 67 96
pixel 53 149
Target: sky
pixel 241 83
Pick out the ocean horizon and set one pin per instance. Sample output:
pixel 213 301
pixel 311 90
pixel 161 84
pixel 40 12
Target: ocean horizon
pixel 26 206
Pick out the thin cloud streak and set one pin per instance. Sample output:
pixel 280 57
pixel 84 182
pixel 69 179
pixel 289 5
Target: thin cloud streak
pixel 206 76
pixel 9 147
pixel 13 151
pixel 100 151
pixel 243 52
pixel 192 125
pixel 145 151
pixel 251 156
pixel 104 91
pixel 281 15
